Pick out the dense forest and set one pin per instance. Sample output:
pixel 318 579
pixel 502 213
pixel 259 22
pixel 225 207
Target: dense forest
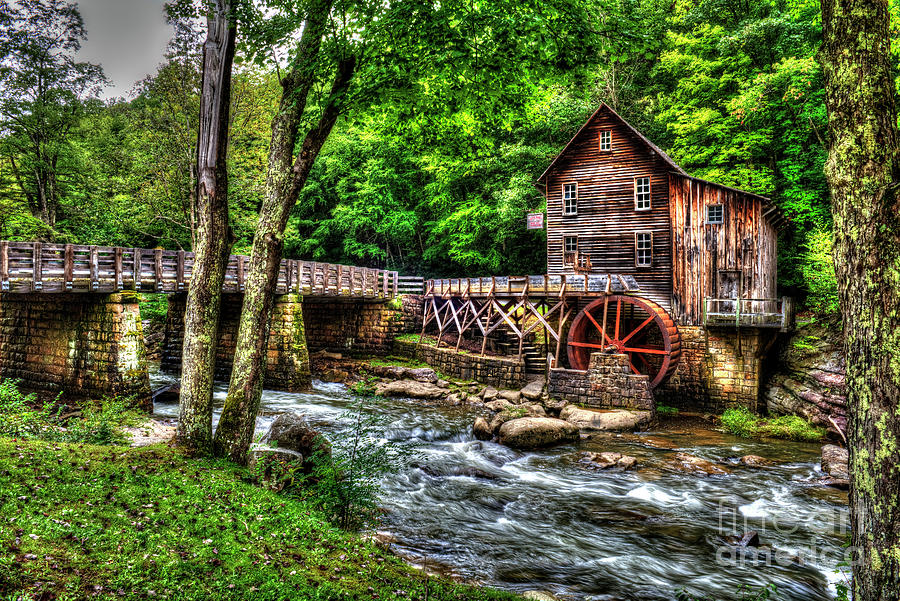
pixel 431 174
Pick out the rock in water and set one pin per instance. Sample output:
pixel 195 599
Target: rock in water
pixel 489 394
pixel 398 372
pixel 513 396
pixel 835 462
pixel 482 430
pixel 537 432
pixel 754 461
pixel 291 431
pixel 410 388
pixel 498 405
pixel 619 419
pixel 539 596
pixel 533 390
pixel 692 464
pixel 609 460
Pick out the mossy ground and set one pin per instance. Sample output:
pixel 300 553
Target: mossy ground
pixel 743 422
pixel 81 521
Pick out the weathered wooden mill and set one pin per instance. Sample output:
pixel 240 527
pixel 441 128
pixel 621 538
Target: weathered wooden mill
pixel 644 261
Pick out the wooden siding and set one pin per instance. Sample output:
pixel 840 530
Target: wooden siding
pixel 607 220
pixel 746 242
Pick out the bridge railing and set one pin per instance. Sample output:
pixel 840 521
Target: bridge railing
pixel 536 285
pixel 28 267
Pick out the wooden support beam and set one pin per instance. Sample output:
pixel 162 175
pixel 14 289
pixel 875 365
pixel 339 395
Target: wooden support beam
pixel 4 266
pixel 158 269
pixel 68 267
pixel 37 282
pixel 95 269
pixel 179 272
pixel 136 267
pixel 117 268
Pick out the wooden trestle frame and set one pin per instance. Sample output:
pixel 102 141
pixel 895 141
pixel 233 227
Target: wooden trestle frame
pixel 550 307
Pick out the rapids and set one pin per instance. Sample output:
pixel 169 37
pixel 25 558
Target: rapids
pixel 540 520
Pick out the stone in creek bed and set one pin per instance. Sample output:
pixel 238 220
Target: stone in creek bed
pixel 482 430
pixel 835 462
pixel 691 464
pixel 513 396
pixel 754 461
pixel 537 432
pixel 588 419
pixel 291 431
pixel 398 372
pixel 539 596
pixel 533 390
pixel 608 460
pixel 411 389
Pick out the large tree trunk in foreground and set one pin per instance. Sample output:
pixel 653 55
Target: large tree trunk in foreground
pixel 863 171
pixel 213 236
pixel 285 179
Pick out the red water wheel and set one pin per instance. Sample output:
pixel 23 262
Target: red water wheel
pixel 631 325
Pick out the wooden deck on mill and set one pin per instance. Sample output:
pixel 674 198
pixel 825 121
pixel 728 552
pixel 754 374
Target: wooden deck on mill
pixel 35 267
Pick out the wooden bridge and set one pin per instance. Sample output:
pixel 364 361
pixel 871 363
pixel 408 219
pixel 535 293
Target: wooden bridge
pixel 30 267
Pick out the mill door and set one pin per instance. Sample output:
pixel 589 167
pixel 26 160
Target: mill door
pixel 729 287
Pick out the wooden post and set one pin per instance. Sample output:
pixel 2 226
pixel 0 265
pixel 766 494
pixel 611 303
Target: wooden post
pixel 240 273
pixel 179 272
pixel 158 268
pixel 95 269
pixel 68 267
pixel 136 260
pixel 117 267
pixel 4 266
pixel 37 283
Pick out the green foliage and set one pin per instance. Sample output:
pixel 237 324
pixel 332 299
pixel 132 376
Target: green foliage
pixel 817 268
pixel 742 422
pixel 22 416
pixel 745 593
pixel 666 411
pixel 134 523
pixel 154 307
pixel 344 483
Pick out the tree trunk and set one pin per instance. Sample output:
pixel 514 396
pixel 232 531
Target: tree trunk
pixel 284 181
pixel 213 236
pixel 863 171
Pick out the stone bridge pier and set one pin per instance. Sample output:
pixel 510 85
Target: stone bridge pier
pixel 87 346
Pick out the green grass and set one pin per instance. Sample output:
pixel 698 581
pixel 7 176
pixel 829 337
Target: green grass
pixel 80 520
pixel 743 422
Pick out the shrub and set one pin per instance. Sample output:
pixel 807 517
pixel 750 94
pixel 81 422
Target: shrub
pixel 21 417
pixel 666 411
pixel 101 423
pixel 817 268
pixel 742 422
pixel 154 307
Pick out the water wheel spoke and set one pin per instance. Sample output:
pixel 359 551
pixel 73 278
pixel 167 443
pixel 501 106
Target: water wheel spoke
pixel 597 325
pixel 618 316
pixel 649 351
pixel 638 329
pixel 588 345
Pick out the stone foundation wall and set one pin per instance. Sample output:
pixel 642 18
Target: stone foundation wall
pixel 359 326
pixel 718 369
pixel 287 362
pixel 500 372
pixel 608 383
pixel 85 346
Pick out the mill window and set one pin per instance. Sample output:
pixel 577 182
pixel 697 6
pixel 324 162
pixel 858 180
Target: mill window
pixel 605 140
pixel 642 197
pixel 570 199
pixel 643 249
pixel 570 249
pixel 715 214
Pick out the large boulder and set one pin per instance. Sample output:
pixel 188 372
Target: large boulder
pixel 398 372
pixel 410 389
pixel 537 432
pixel 482 430
pixel 594 419
pixel 533 390
pixel 513 396
pixel 836 462
pixel 499 405
pixel 291 431
pixel 274 467
pixel 515 412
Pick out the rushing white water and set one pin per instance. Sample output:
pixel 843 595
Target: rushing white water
pixel 540 520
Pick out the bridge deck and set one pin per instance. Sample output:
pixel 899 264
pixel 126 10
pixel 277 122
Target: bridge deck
pixel 28 267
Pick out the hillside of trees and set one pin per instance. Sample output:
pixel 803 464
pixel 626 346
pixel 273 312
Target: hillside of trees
pixel 434 176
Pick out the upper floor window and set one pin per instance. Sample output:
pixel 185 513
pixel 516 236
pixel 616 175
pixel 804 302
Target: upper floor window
pixel 715 214
pixel 570 199
pixel 605 140
pixel 643 249
pixel 642 196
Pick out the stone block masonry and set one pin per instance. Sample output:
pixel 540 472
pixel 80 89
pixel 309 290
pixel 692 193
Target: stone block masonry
pixel 360 326
pixel 85 346
pixel 607 384
pixel 287 360
pixel 501 372
pixel 719 368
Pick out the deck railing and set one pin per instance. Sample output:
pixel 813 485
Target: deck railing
pixel 28 267
pixel 535 285
pixel 749 312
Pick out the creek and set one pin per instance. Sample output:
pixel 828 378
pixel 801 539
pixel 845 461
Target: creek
pixel 543 521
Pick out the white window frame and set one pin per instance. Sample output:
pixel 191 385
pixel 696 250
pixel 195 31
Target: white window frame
pixel 566 188
pixel 643 242
pixel 566 250
pixel 641 203
pixel 721 219
pixel 605 145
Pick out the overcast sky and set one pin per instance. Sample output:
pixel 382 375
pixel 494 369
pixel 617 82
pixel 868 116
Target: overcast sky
pixel 127 37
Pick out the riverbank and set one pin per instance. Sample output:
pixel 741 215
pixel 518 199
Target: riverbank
pixel 116 522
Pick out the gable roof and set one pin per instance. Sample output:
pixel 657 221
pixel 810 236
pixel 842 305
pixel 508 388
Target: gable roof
pixel 603 106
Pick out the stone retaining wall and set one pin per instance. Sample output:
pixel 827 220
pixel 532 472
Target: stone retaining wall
pixel 608 383
pixel 86 346
pixel 501 372
pixel 718 369
pixel 360 326
pixel 287 360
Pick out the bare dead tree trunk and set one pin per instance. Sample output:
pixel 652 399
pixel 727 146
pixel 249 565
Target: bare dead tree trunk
pixel 213 235
pixel 863 171
pixel 285 179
